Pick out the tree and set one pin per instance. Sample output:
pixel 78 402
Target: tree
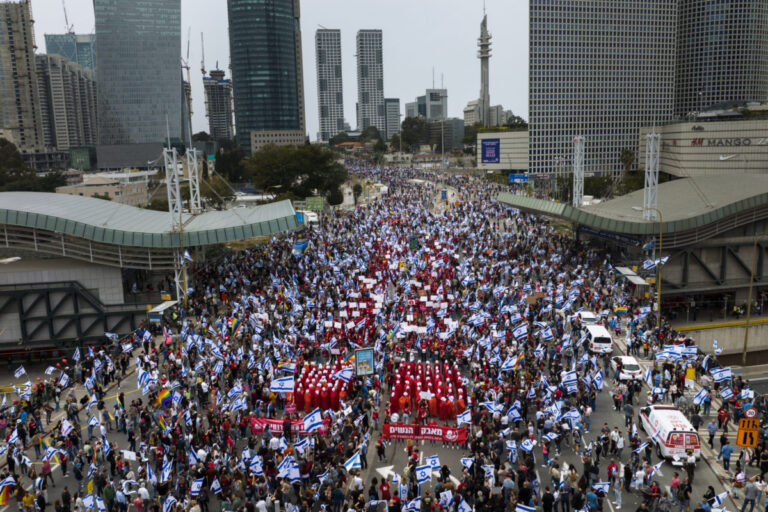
pixel 231 165
pixel 370 134
pixel 414 133
pixel 216 192
pixel 357 191
pixel 394 142
pixel 516 123
pixel 339 138
pixel 16 176
pixel 627 158
pixel 470 136
pixel 305 170
pixel 201 137
pixel 335 197
pixel 380 146
pixel 104 196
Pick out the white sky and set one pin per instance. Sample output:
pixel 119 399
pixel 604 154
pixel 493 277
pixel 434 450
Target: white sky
pixel 418 35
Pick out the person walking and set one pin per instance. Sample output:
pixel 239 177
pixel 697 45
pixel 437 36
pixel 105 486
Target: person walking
pixel 725 453
pixel 712 431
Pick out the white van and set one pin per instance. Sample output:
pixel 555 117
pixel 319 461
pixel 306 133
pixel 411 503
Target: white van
pixel 671 431
pixel 599 340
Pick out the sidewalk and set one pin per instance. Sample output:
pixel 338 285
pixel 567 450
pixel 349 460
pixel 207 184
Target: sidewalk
pixel 707 454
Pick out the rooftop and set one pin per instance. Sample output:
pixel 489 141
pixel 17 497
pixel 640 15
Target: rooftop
pixel 113 223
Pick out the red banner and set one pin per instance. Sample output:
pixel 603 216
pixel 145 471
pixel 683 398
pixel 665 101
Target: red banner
pixel 276 426
pixel 425 433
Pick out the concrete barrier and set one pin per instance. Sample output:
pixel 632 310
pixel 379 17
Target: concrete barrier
pixel 730 335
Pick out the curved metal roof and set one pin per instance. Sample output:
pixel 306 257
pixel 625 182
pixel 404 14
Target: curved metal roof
pixel 685 204
pixel 113 223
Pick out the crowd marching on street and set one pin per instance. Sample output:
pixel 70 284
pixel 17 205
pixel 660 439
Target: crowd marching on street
pixel 248 398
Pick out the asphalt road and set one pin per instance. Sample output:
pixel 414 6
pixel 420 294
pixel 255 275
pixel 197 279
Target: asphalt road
pixel 396 458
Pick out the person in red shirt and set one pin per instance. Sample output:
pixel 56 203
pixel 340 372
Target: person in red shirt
pixel 384 490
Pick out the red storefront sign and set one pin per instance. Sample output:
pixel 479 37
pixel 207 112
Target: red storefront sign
pixel 425 433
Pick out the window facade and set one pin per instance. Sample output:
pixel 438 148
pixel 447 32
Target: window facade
pixel 330 95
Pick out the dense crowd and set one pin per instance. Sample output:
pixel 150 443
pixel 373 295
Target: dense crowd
pixel 248 398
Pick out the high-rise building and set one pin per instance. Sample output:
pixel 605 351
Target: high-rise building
pixel 330 90
pixel 392 110
pixel 218 105
pixel 267 80
pixel 20 117
pixel 370 81
pixel 67 95
pixel 138 71
pixel 599 69
pixel 722 54
pixel 484 54
pixel 433 106
pixel 79 48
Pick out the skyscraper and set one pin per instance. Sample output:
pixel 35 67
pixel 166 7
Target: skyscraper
pixel 330 91
pixel 20 118
pixel 138 71
pixel 78 48
pixel 67 95
pixel 600 69
pixel 392 109
pixel 265 51
pixel 370 81
pixel 218 105
pixel 722 54
pixel 484 54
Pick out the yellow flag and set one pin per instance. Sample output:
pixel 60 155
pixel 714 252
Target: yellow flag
pixel 90 486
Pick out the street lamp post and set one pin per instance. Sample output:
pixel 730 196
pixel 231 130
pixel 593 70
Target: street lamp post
pixel 659 265
pixel 749 299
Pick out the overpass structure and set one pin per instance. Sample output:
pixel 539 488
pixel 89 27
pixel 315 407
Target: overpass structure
pixel 714 231
pixel 68 287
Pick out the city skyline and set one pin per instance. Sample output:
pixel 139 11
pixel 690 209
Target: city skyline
pixel 410 51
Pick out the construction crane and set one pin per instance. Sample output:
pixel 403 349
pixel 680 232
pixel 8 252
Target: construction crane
pixel 69 28
pixel 188 88
pixel 202 48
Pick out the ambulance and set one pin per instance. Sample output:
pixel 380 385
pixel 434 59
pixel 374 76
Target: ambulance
pixel 671 431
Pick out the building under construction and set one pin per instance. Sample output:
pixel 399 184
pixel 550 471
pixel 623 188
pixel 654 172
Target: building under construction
pixel 218 105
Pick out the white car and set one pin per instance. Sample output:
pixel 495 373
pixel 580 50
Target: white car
pixel 588 318
pixel 630 370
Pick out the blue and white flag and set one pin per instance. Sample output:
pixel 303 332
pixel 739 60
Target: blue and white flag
pixel 345 374
pixel 282 385
pixel 602 486
pixel 446 499
pixel 463 506
pixel 720 499
pixel 699 397
pixel 520 331
pixel 215 486
pixel 433 461
pixel 550 437
pixel 66 427
pixel 256 465
pixel 423 474
pixel 467 462
pixel 100 505
pixel 640 448
pixel 64 380
pixel 720 374
pixel 598 380
pixel 168 503
pixel 94 421
pixel 465 417
pixel 523 508
pixel 513 414
pixel 414 505
pixel 726 393
pixel 14 437
pixel 649 378
pixel 76 358
pixel 528 445
pixel 192 457
pixel 89 502
pixel 313 420
pixel 50 370
pixel 656 467
pixel 194 489
pixel 19 372
pixel 353 462
pixel 151 474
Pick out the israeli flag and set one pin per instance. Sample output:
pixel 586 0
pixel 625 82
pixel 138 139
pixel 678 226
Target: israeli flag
pixel 726 393
pixel 192 457
pixel 94 422
pixel 353 462
pixel 720 498
pixel 76 358
pixel 215 486
pixel 313 421
pixel 433 462
pixel 649 378
pixel 423 474
pixel 100 505
pixel 513 414
pixel 414 505
pixel 19 372
pixel 446 499
pixel 256 465
pixel 89 502
pixel 640 448
pixel 547 334
pixel 520 331
pixel 345 374
pixel 465 417
pixel 168 503
pixel 720 374
pixel 467 462
pixel 656 467
pixel 602 486
pixel 699 398
pixel 151 476
pixel 598 380
pixel 282 385
pixel 66 428
pixel 550 437
pixel 194 489
pixel 508 365
pixel 7 481
pixel 64 380
pixel 325 476
pixel 14 437
pixel 50 370
pixel 523 508
pixel 528 445
pixel 464 506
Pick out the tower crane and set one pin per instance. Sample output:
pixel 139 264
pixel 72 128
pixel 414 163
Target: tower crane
pixel 69 28
pixel 202 48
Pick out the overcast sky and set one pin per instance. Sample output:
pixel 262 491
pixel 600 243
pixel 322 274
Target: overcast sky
pixel 419 35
